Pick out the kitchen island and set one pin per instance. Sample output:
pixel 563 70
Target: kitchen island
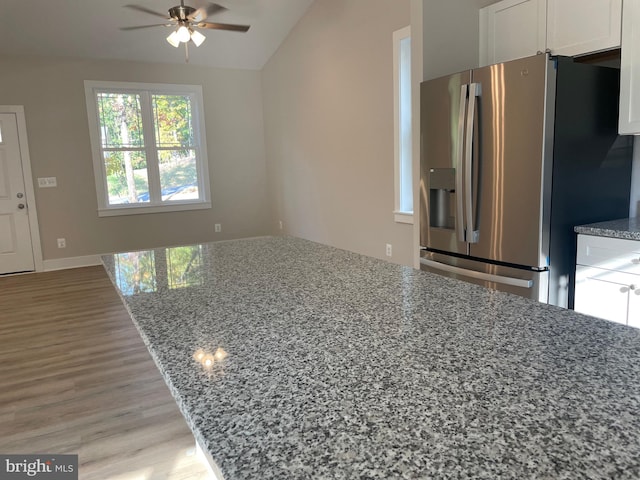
pixel 294 360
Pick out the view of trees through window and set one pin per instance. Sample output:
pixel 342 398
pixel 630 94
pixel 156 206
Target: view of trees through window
pixel 147 271
pixel 126 145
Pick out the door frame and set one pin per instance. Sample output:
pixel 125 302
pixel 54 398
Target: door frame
pixel 25 159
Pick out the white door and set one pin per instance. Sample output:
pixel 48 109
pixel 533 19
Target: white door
pixel 16 251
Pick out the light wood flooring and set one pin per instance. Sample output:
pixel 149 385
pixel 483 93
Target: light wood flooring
pixel 75 377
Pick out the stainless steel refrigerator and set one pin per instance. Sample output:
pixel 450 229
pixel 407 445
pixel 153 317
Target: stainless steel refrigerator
pixel 514 155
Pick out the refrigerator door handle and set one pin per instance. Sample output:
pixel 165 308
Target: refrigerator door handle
pixel 488 277
pixel 464 89
pixel 471 235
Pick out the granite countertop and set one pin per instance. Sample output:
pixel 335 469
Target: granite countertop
pixel 627 228
pixel 294 360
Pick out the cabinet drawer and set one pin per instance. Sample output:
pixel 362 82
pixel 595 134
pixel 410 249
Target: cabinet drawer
pixel 609 253
pixel 608 294
pixel 624 280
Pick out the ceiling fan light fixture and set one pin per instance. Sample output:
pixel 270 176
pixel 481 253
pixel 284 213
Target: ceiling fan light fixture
pixel 182 34
pixel 197 37
pixel 185 22
pixel 173 39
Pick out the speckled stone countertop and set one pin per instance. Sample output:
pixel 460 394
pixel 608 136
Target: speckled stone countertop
pixel 627 228
pixel 333 365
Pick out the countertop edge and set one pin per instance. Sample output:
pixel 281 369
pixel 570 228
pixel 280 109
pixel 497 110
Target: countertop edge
pixel 626 228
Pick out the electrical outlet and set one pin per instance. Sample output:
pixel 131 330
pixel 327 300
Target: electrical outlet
pixel 47 182
pixel 281 225
pixel 389 250
pixel 218 227
pixel 62 243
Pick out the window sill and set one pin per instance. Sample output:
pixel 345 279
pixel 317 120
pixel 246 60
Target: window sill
pixel 403 217
pixel 137 209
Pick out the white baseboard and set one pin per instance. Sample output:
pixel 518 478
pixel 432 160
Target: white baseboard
pixel 71 262
pixel 91 260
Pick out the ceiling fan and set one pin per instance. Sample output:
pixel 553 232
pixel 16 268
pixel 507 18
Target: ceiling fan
pixel 186 21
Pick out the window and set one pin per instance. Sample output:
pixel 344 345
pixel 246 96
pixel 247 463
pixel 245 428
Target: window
pixel 402 124
pixel 149 153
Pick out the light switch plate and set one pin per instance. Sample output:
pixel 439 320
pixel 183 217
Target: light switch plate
pixel 47 182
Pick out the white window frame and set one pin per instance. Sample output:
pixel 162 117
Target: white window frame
pixel 403 182
pixel 91 88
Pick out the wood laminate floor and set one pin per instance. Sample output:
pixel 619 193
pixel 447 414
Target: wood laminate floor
pixel 75 377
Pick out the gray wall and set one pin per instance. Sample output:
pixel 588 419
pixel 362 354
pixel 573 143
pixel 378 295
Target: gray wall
pixel 52 92
pixel 328 106
pixel 451 31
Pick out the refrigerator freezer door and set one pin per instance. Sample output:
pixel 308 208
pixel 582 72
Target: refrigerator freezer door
pixel 509 152
pixel 525 283
pixel 443 110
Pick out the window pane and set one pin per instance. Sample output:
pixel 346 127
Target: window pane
pixel 120 120
pixel 127 179
pixel 406 174
pixel 172 118
pixel 178 175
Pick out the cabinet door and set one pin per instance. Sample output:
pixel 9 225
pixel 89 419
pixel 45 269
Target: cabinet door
pixel 512 29
pixel 577 27
pixel 599 294
pixel 633 320
pixel 630 70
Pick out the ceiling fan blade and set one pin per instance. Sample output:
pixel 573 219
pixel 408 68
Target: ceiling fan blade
pixel 137 27
pixel 223 26
pixel 203 12
pixel 146 10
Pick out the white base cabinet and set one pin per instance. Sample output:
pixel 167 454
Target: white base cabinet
pixel 513 29
pixel 608 279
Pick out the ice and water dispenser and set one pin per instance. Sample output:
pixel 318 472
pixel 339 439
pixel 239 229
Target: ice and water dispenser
pixel 442 197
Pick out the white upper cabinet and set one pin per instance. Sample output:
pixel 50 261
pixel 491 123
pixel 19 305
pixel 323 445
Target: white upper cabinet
pixel 512 29
pixel 630 69
pixel 576 27
pixel 519 28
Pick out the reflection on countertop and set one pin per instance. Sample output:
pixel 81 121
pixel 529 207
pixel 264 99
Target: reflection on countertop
pixel 294 360
pixel 150 270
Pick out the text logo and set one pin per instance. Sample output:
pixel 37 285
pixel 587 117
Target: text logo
pixel 49 467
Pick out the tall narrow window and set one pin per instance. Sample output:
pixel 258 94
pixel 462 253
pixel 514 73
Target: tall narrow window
pixel 403 119
pixel 149 154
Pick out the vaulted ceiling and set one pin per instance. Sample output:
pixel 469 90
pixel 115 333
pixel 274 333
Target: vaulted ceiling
pixel 91 29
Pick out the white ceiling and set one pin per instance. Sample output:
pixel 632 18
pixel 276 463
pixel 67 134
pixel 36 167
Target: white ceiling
pixel 90 29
